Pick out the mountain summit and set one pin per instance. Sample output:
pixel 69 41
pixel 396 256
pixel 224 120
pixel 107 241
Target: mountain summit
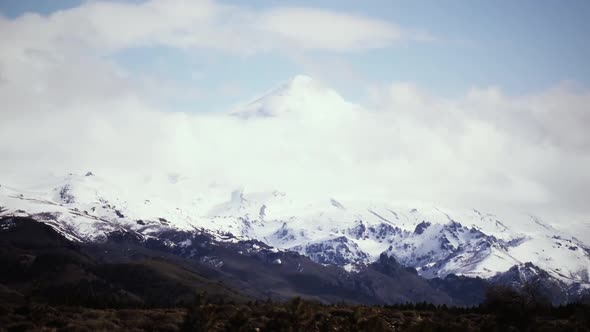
pixel 300 96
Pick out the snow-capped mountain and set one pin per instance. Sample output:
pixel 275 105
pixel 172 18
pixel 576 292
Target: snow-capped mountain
pixel 300 97
pixel 350 233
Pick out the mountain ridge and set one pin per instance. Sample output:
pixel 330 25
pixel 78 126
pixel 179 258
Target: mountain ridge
pixel 433 242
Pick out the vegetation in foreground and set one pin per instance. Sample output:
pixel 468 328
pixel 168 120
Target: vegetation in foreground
pixel 504 310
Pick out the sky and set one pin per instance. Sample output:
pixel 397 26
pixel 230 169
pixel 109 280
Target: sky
pixel 481 103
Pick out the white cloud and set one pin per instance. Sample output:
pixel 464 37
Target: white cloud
pixel 408 145
pixel 59 59
pixel 66 107
pixel 308 28
pixel 526 152
pixel 105 27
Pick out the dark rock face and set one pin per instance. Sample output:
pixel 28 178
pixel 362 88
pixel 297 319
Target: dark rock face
pixel 65 195
pixel 388 265
pixel 532 277
pixel 337 251
pixel 421 227
pixel 359 231
pixel 284 233
pixel 445 244
pixel 383 231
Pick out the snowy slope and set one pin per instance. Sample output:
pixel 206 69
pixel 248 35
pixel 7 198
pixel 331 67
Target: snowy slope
pixel 302 98
pixel 349 234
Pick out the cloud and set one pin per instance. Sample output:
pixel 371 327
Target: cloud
pixel 558 116
pixel 407 145
pixel 524 152
pixel 308 28
pixel 105 27
pixel 66 106
pixel 64 58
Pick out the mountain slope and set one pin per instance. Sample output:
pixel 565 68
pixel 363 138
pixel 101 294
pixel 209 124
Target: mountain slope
pixel 348 234
pixel 126 270
pixel 42 264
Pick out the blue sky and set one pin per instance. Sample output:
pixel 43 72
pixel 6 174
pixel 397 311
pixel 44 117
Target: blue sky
pixel 520 46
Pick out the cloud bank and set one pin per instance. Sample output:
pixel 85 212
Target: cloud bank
pixel 67 107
